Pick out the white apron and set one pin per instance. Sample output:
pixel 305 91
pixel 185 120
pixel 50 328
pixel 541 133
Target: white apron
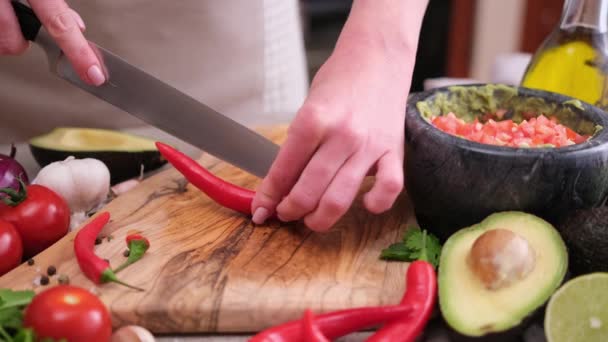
pixel 244 58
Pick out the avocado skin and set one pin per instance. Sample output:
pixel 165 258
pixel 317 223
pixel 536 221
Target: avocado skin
pixel 514 334
pixel 585 232
pixel 123 165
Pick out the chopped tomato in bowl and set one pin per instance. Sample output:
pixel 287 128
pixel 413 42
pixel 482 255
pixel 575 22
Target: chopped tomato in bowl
pixel 539 131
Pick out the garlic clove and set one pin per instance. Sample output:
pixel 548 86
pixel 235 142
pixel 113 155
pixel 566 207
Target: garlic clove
pixel 132 333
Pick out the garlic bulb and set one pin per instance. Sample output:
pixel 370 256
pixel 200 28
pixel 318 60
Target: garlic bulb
pixel 83 183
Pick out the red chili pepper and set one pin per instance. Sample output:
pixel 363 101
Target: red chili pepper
pixel 95 268
pixel 337 323
pixel 420 295
pixel 310 330
pixel 138 245
pixel 226 194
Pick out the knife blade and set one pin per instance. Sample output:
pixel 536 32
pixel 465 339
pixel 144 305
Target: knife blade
pixel 158 103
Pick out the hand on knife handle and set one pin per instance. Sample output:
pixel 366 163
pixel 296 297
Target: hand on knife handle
pixel 19 23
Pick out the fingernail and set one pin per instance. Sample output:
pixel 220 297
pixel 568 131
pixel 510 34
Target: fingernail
pixel 95 75
pixel 260 215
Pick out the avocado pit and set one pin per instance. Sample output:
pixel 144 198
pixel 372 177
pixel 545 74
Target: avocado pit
pixel 500 257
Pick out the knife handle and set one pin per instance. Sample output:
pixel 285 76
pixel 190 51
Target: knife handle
pixel 30 25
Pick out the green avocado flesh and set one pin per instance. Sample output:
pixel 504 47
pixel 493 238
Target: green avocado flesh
pixel 91 139
pixel 125 155
pixel 470 102
pixel 471 308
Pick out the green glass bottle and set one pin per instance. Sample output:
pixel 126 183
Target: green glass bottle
pixel 573 59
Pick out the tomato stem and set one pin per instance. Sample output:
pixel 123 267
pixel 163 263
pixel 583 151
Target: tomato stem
pixel 14 197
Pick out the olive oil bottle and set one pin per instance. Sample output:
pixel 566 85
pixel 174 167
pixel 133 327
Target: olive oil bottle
pixel 573 59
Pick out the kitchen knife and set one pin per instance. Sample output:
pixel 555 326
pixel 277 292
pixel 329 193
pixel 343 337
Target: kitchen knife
pixel 158 103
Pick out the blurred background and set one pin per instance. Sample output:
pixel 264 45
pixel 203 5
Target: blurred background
pixel 478 40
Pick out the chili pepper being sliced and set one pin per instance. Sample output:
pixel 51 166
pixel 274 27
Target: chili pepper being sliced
pixel 310 330
pixel 335 324
pixel 138 245
pixel 224 193
pixel 421 291
pixel 95 268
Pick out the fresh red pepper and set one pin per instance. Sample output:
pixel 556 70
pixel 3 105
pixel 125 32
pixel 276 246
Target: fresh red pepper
pixel 138 245
pixel 224 193
pixel 310 330
pixel 335 324
pixel 95 268
pixel 420 295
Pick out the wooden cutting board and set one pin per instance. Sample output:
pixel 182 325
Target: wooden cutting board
pixel 211 270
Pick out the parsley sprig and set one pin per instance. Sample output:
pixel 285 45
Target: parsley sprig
pixel 417 244
pixel 12 304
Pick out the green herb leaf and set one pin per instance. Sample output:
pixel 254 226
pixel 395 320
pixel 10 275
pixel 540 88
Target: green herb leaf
pixel 25 335
pixel 11 318
pixel 12 304
pixel 396 251
pixel 10 298
pixel 417 245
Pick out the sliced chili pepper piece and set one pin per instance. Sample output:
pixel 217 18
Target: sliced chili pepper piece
pixel 95 268
pixel 421 292
pixel 138 245
pixel 224 193
pixel 310 330
pixel 335 324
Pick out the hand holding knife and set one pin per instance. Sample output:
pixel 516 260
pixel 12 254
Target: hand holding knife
pixel 157 103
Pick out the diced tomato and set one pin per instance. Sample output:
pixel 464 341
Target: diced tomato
pixel 536 131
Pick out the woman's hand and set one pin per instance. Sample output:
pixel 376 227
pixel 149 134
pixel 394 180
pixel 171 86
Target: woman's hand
pixel 351 125
pixel 64 25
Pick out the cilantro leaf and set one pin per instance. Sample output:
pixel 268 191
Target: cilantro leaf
pixel 10 298
pixel 417 245
pixel 12 304
pixel 396 251
pixel 25 335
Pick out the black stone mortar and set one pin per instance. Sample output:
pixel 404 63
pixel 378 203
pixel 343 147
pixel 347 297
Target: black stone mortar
pixel 454 183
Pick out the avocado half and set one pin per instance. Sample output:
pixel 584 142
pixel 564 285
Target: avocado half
pixel 474 309
pixel 124 154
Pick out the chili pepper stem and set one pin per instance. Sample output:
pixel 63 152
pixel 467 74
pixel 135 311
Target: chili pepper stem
pixel 109 276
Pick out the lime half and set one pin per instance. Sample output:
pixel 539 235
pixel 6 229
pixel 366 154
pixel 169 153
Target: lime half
pixel 578 311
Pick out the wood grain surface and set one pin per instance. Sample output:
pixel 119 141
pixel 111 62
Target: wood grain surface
pixel 211 270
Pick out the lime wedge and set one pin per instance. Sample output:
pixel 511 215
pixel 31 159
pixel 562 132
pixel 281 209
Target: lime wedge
pixel 578 311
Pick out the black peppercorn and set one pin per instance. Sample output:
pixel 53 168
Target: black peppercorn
pixel 63 279
pixel 30 261
pixel 51 271
pixel 44 280
pixel 126 253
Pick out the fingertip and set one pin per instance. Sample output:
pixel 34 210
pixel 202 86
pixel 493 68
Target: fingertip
pixel 95 75
pixel 260 215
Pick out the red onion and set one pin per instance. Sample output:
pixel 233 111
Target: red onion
pixel 11 171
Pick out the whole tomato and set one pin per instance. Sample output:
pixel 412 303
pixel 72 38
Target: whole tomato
pixel 68 312
pixel 40 216
pixel 11 248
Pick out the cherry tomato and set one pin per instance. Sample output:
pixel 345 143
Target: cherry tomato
pixel 11 248
pixel 69 312
pixel 41 219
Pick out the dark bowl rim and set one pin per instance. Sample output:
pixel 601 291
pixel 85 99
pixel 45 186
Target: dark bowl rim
pixel 590 146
